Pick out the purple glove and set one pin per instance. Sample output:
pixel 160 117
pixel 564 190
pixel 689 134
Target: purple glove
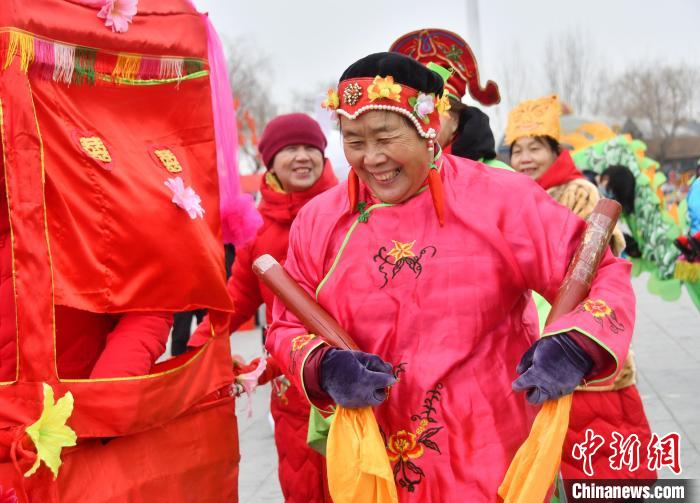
pixel 355 379
pixel 552 367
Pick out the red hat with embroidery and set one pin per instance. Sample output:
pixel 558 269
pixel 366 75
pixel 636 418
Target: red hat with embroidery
pixel 290 129
pixel 448 50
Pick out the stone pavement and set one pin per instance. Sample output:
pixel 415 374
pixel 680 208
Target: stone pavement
pixel 667 347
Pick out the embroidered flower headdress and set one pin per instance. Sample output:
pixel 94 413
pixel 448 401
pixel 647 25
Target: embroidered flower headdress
pixel 359 95
pixel 392 89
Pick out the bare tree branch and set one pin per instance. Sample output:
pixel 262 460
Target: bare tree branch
pixel 251 78
pixel 570 69
pixel 515 83
pixel 661 96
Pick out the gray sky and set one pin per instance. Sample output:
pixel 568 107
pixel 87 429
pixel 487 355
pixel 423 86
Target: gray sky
pixel 312 41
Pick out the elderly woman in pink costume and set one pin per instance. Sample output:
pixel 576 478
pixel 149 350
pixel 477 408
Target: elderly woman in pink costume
pixel 428 261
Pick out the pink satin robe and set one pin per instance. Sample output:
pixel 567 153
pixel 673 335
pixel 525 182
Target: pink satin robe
pixel 450 308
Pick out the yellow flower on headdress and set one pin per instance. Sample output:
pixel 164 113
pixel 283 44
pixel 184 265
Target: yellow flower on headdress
pixel 443 103
pixel 384 88
pixel 332 101
pixel 50 433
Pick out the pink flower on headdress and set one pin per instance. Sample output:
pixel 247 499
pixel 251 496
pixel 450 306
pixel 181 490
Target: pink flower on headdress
pixel 425 105
pixel 118 14
pixel 185 197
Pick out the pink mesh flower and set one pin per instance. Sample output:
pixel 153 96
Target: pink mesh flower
pixel 185 197
pixel 118 14
pixel 425 104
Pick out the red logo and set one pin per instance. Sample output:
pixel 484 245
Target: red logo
pixel 585 450
pixel 665 451
pixel 625 452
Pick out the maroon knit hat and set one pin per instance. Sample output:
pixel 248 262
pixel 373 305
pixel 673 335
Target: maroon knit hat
pixel 290 129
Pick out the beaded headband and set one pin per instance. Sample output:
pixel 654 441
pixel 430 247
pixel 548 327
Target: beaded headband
pixel 359 95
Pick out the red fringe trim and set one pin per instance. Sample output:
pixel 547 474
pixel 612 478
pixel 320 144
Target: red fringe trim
pixel 353 190
pixel 436 191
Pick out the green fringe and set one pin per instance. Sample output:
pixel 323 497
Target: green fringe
pixel 84 65
pixel 192 66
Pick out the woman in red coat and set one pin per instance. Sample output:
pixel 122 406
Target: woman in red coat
pixel 292 148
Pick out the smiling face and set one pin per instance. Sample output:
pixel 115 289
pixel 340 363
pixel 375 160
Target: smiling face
pixel 387 154
pixel 531 156
pixel 297 167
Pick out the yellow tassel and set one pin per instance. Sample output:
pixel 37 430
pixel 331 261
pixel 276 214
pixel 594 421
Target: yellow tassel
pixel 11 49
pixel 127 67
pixel 25 43
pixel 687 271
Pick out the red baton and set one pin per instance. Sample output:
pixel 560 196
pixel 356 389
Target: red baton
pixel 299 302
pixel 584 265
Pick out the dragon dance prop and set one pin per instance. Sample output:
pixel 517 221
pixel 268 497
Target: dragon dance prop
pixel 534 467
pixel 653 225
pixel 357 463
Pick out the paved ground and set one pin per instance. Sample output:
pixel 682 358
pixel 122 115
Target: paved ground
pixel 667 345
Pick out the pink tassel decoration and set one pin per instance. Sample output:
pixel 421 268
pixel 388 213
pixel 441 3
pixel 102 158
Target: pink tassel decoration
pixel 240 219
pixel 43 58
pixel 149 69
